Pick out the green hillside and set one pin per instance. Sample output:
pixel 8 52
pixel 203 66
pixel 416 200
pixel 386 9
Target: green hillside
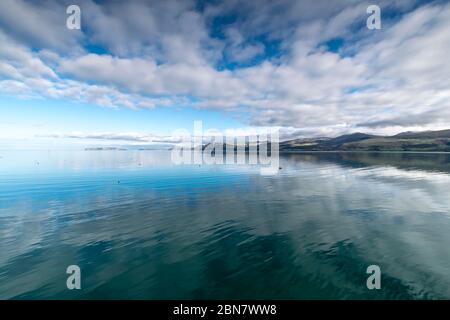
pixel 428 141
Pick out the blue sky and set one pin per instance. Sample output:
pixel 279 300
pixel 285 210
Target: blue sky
pixel 62 115
pixel 142 69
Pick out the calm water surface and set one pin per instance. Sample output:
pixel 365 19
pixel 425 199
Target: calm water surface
pixel 140 228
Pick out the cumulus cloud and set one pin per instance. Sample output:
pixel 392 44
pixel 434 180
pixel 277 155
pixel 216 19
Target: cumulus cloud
pixel 311 66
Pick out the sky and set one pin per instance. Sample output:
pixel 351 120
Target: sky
pixel 138 70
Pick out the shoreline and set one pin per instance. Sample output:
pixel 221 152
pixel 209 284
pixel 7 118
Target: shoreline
pixel 362 151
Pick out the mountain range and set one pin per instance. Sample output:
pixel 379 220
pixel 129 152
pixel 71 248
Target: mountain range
pixel 426 141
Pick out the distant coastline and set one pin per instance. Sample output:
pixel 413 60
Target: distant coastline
pixel 405 142
pixel 426 141
pixel 361 151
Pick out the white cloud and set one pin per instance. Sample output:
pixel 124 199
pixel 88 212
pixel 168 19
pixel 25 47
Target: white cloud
pixel 39 24
pixel 164 54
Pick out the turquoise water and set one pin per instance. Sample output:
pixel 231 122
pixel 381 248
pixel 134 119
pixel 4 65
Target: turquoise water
pixel 141 228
